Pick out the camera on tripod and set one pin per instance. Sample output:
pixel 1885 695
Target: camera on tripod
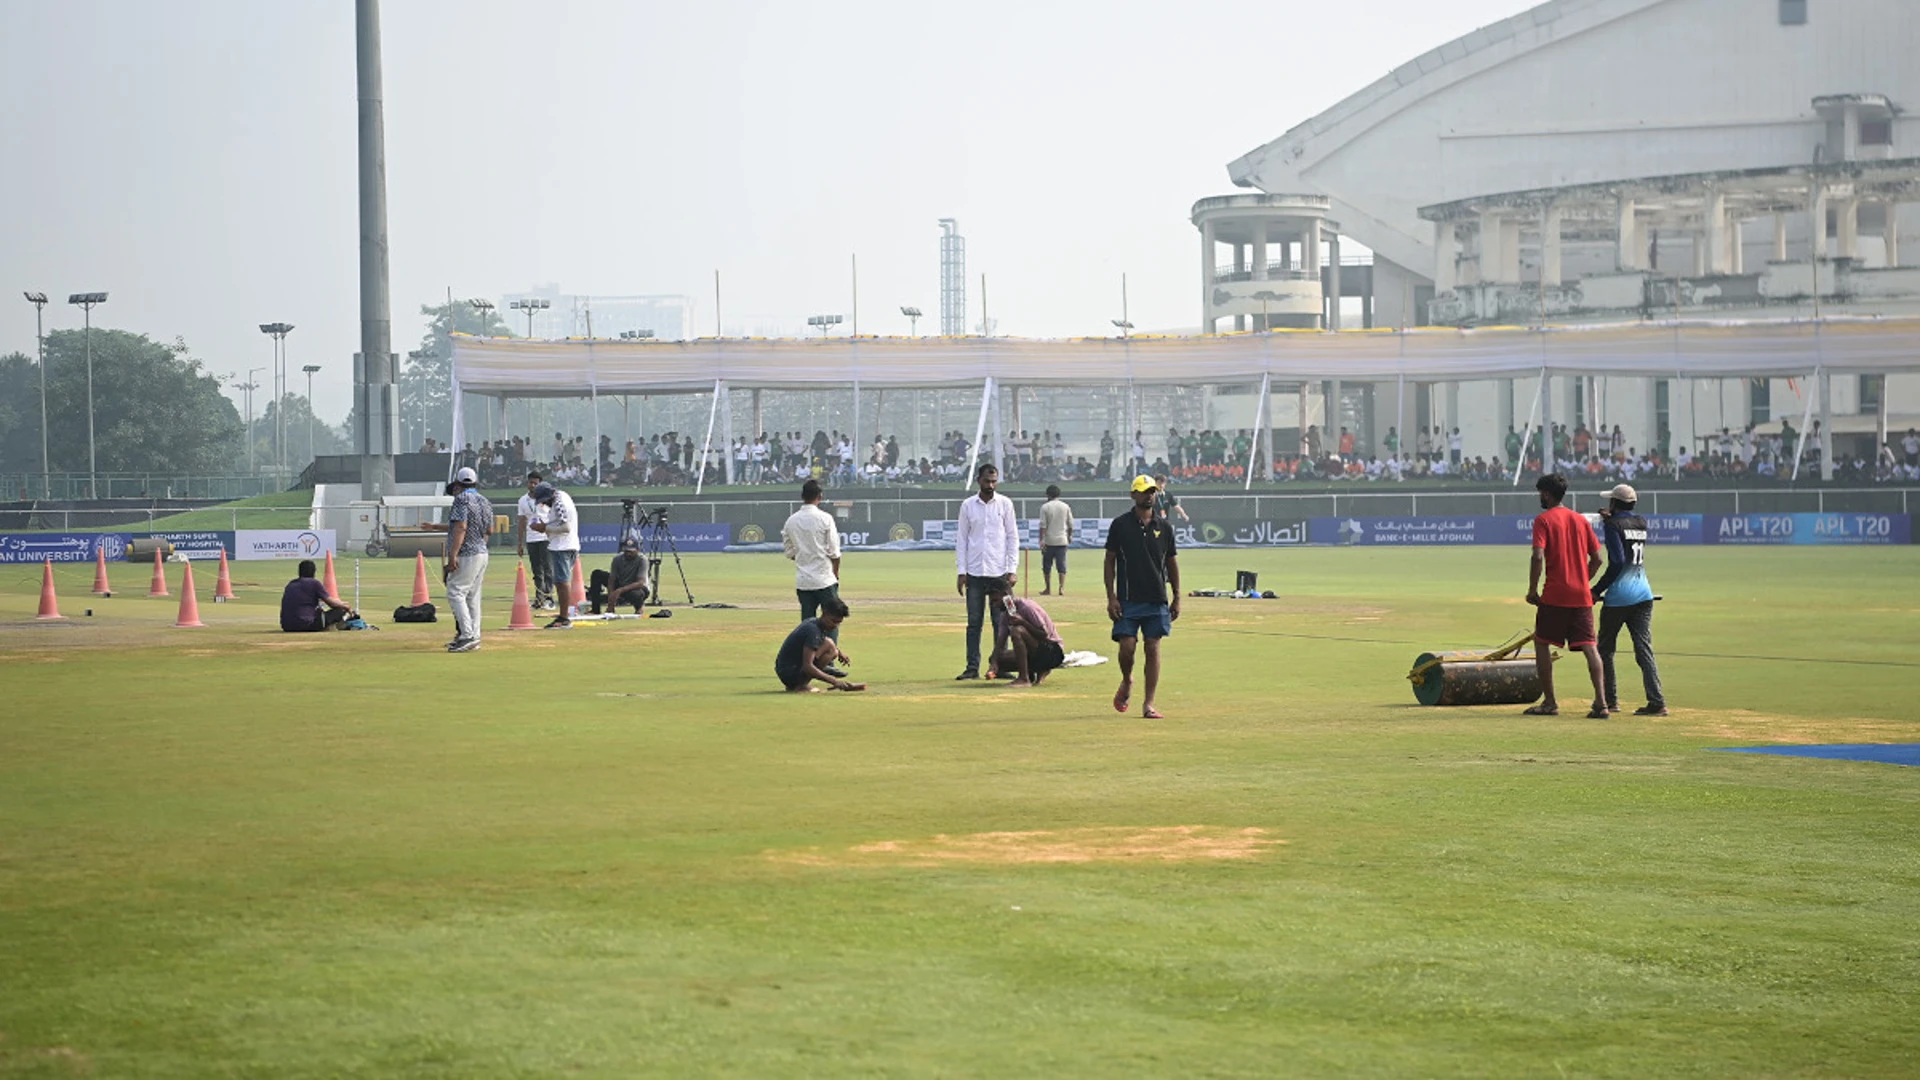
pixel 649 530
pixel 633 514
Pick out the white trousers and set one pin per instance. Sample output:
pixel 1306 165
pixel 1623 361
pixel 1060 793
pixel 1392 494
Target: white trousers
pixel 463 594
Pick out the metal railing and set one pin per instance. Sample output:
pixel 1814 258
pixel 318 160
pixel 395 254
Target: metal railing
pixel 25 486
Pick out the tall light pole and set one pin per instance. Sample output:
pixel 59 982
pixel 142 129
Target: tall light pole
pixel 530 306
pixel 250 386
pixel 85 301
pixel 39 302
pixel 913 320
pixel 279 332
pixel 310 369
pixel 480 308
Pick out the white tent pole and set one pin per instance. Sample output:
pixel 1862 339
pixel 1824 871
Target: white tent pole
pixel 1259 418
pixel 1533 415
pixel 593 393
pixel 700 478
pixel 726 434
pixel 1806 418
pixel 999 433
pixel 854 435
pixel 979 432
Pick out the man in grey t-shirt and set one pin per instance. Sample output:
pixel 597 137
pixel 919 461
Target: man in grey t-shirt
pixel 469 524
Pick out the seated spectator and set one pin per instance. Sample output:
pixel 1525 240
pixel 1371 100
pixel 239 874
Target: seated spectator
pixel 305 606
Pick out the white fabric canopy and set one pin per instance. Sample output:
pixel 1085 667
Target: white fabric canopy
pixel 514 367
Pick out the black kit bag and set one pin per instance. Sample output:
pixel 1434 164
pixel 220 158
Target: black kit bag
pixel 416 613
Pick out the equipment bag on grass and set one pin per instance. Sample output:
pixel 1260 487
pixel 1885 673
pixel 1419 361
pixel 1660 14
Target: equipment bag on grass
pixel 415 613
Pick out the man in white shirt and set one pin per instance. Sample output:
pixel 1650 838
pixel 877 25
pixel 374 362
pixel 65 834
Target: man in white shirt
pixel 562 530
pixel 531 544
pixel 812 540
pixel 1056 532
pixel 986 547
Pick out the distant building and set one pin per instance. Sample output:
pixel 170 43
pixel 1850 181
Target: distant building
pixel 569 315
pixel 1612 160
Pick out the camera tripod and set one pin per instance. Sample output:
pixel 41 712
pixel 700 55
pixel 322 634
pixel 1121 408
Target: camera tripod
pixel 650 529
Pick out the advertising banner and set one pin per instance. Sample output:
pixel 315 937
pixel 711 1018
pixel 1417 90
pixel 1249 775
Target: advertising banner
pixel 282 543
pixel 1848 529
pixel 1092 532
pixel 605 539
pixel 61 547
pixel 1480 529
pixel 198 545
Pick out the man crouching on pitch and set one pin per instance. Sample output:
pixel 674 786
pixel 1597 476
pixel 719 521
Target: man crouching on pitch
pixel 1025 639
pixel 811 647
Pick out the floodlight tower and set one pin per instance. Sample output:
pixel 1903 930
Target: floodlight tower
pixel 824 323
pixel 530 306
pixel 85 301
pixel 953 279
pixel 310 369
pixel 374 383
pixel 279 331
pixel 39 302
pixel 481 308
pixel 913 320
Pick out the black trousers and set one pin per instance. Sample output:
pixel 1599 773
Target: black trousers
pixel 811 599
pixel 1638 619
pixel 977 608
pixel 542 570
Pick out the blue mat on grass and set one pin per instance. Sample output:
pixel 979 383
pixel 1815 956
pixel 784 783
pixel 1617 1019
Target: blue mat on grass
pixel 1889 753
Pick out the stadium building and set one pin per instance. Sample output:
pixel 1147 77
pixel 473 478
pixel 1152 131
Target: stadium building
pixel 1601 161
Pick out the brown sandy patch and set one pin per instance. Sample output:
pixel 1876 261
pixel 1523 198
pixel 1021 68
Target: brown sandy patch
pixel 1745 725
pixel 1166 843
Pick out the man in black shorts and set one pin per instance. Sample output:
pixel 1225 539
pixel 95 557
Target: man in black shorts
pixel 810 647
pixel 1143 589
pixel 1024 639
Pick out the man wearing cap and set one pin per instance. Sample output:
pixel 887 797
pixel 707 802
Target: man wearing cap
pixel 625 581
pixel 469 524
pixel 562 530
pixel 987 546
pixel 1140 570
pixel 1627 598
pixel 532 546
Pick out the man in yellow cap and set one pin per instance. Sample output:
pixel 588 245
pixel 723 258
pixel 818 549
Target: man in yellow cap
pixel 1140 571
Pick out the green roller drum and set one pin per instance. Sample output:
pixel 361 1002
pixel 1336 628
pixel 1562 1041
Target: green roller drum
pixel 1475 678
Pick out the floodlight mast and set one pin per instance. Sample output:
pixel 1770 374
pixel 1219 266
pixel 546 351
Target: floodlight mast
pixel 279 331
pixel 530 306
pixel 481 307
pixel 39 302
pixel 310 369
pixel 85 302
pixel 913 320
pixel 824 323
pixel 374 384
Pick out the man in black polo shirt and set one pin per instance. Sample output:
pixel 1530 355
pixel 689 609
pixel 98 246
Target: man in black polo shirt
pixel 1140 570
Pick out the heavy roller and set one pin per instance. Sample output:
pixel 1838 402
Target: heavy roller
pixel 1505 676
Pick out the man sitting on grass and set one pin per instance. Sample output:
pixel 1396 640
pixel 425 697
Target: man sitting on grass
pixel 810 648
pixel 1025 640
pixel 305 606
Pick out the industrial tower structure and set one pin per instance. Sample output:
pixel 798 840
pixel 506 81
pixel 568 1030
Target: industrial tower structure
pixel 953 279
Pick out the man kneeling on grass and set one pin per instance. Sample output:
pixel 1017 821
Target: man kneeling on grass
pixel 810 648
pixel 305 605
pixel 1025 640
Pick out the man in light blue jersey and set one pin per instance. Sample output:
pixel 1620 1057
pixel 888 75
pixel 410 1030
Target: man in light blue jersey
pixel 1627 598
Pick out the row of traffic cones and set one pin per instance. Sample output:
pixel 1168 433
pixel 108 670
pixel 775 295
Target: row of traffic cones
pixel 189 616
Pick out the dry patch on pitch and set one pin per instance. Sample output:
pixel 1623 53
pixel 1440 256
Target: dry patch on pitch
pixel 1166 843
pixel 1745 725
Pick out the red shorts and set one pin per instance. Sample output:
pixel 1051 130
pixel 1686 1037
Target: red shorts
pixel 1567 627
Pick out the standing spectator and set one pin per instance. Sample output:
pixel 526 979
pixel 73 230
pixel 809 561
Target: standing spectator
pixel 1565 549
pixel 812 540
pixel 1910 447
pixel 562 530
pixel 1346 444
pixel 987 546
pixel 469 524
pixel 1627 599
pixel 1454 444
pixel 1056 532
pixel 531 544
pixel 1423 444
pixel 1140 568
pixel 1139 451
pixel 1392 443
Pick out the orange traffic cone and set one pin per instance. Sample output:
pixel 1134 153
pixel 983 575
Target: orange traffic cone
pixel 189 604
pixel 420 593
pixel 159 586
pixel 522 608
pixel 333 588
pixel 223 585
pixel 49 603
pixel 579 593
pixel 100 584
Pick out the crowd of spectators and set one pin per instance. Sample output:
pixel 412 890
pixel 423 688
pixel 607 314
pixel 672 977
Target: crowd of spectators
pixel 1197 457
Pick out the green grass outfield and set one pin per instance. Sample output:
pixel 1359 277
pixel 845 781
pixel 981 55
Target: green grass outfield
pixel 620 851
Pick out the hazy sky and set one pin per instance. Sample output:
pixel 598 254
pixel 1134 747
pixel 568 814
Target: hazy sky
pixel 196 158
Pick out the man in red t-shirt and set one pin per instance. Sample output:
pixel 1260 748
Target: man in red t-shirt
pixel 1565 547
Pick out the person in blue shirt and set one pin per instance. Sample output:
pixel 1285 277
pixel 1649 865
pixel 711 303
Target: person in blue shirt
pixel 1627 598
